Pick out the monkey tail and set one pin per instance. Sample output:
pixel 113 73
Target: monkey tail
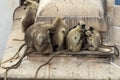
pixel 15 54
pixel 58 53
pixel 5 77
pixel 15 65
pixel 117 53
pixel 108 49
pixel 104 49
pixel 15 12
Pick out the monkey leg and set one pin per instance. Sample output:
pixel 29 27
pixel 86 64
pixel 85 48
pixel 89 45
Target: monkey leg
pixel 93 46
pixel 46 48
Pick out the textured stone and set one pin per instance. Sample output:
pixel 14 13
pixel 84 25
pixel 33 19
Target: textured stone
pixel 116 14
pixel 116 34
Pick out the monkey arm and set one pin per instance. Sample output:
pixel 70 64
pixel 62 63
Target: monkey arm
pixel 47 47
pixel 77 47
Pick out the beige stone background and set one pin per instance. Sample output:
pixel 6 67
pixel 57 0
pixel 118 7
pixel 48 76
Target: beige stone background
pixel 113 14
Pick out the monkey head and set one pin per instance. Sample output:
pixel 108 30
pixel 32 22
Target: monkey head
pixel 42 36
pixel 89 31
pixel 82 24
pixel 61 30
pixel 27 2
pixel 42 39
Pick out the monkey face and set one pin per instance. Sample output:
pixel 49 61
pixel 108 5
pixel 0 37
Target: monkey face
pixel 27 3
pixel 42 42
pixel 88 33
pixel 41 37
pixel 91 29
pixel 82 25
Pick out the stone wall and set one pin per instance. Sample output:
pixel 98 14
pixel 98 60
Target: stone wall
pixel 113 12
pixel 113 15
pixel 116 13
